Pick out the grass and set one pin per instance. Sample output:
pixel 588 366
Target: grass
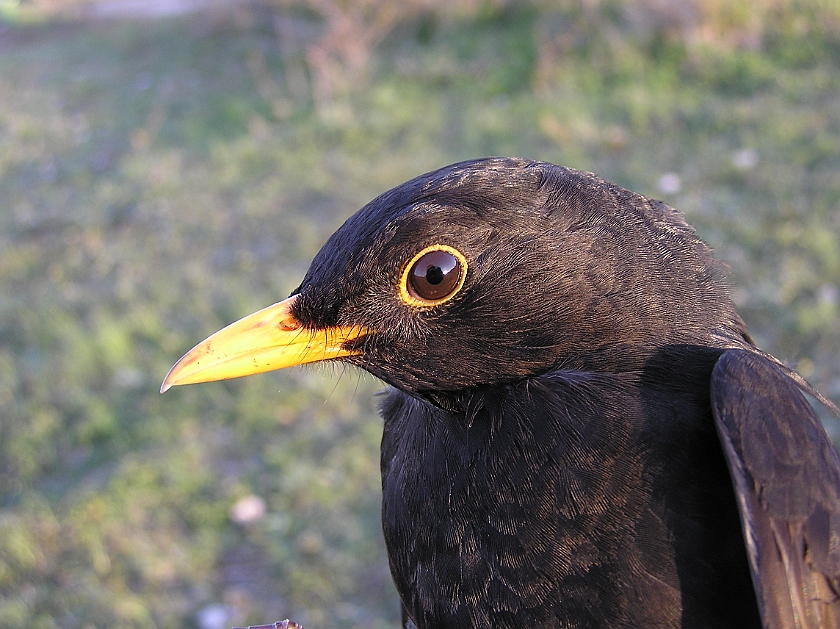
pixel 160 179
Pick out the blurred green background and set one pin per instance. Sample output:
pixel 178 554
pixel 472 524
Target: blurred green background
pixel 164 172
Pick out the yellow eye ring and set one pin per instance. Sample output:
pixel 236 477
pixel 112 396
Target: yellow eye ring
pixel 433 276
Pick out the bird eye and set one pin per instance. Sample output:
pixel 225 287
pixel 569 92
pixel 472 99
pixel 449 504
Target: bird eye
pixel 433 276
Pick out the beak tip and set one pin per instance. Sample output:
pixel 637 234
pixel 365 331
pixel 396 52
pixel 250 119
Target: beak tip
pixel 168 381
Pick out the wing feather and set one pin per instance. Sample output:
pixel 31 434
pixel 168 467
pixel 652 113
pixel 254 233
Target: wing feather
pixel 786 476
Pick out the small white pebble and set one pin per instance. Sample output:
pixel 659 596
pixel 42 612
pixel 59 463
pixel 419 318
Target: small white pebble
pixel 247 510
pixel 670 183
pixel 745 159
pixel 214 616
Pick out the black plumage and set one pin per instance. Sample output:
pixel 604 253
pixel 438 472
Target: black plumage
pixel 580 432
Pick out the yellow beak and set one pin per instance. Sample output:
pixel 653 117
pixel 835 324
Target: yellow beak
pixel 264 341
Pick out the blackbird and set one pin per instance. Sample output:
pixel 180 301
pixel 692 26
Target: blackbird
pixel 579 431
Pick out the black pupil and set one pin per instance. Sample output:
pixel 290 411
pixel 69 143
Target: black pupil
pixel 435 275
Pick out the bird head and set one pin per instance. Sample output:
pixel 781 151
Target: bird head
pixel 482 273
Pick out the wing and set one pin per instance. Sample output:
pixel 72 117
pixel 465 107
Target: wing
pixel 786 475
